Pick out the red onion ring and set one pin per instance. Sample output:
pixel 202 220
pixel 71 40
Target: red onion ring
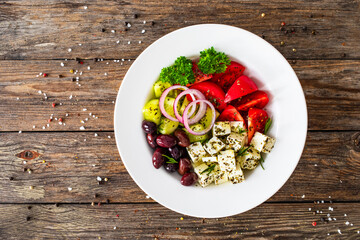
pixel 185 117
pixel 163 97
pixel 200 113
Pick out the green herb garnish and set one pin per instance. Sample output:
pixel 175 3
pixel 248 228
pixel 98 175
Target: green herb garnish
pixel 209 169
pixel 242 151
pixel 242 130
pixel 179 73
pixel 212 61
pixel 267 125
pixel 171 160
pixel 261 161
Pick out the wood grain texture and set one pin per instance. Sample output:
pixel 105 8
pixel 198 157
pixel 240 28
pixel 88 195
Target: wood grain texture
pixel 329 167
pixel 332 91
pixel 46 29
pixel 152 221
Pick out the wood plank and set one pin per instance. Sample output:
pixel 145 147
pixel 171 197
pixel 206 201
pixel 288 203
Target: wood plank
pixel 46 29
pixel 152 221
pixel 329 167
pixel 330 86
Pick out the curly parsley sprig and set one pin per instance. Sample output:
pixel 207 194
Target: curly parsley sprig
pixel 212 61
pixel 179 73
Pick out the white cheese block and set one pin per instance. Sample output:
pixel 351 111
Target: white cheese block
pixel 214 145
pixel 209 159
pixel 226 160
pixel 220 176
pixel 250 159
pixel 237 126
pixel 221 128
pixel 237 175
pixel 205 178
pixel 236 141
pixel 196 151
pixel 262 143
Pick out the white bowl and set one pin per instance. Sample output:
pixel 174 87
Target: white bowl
pixel 287 107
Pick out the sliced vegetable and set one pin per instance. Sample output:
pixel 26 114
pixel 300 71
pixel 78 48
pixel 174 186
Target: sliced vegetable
pixel 207 118
pixel 201 110
pixel 257 119
pixel 167 126
pixel 159 88
pixel 212 61
pixel 257 99
pixel 199 75
pixel 230 114
pixel 225 80
pixel 186 120
pixel 195 138
pixel 163 98
pixel 241 87
pixel 152 112
pixel 212 92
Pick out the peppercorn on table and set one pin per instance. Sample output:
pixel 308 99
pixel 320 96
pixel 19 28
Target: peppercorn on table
pixel 61 65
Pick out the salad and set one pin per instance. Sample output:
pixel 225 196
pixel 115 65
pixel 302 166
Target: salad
pixel 206 120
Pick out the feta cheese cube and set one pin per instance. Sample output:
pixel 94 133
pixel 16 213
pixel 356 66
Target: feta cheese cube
pixel 221 128
pixel 237 126
pixel 220 176
pixel 237 175
pixel 250 159
pixel 214 145
pixel 226 160
pixel 262 143
pixel 205 178
pixel 209 159
pixel 196 151
pixel 237 140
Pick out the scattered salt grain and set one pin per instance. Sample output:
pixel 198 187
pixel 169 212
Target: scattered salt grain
pixel 84 109
pixel 144 22
pixel 322 201
pixel 347 223
pixel 62 64
pixel 71 96
pixel 339 231
pixel 85 140
pixel 40 92
pixel 113 31
pixel 139 42
pixel 309 209
pixel 69 50
pixel 345 215
pixel 105 74
pixel 303 196
pixel 80 44
pixel 315 165
pixel 69 188
pixel 118 41
pixel 129 42
pixel 109 136
pixel 43 127
pixel 34 126
pixel 143 31
pixel 128 25
pixel 85 7
pixel 329 196
pixel 60 104
pixel 95 134
pixel 90 114
pixel 147 196
pixel 82 121
pixel 66 115
pixel 86 119
pixel 24 162
pixel 48 125
pixel 17 98
pixel 20 131
pixel 98 179
pixel 331 209
pixel 82 128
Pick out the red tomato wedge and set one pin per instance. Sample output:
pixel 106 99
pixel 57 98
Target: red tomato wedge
pixel 212 92
pixel 230 114
pixel 199 75
pixel 241 87
pixel 257 99
pixel 226 79
pixel 256 121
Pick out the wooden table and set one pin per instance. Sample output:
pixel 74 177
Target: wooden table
pixel 48 178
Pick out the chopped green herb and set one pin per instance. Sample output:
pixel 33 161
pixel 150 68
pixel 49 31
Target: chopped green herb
pixel 212 61
pixel 241 130
pixel 179 73
pixel 171 160
pixel 242 151
pixel 261 161
pixel 267 125
pixel 209 169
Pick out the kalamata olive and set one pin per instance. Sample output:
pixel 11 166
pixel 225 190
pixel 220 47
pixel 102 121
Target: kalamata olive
pixel 184 166
pixel 166 141
pixel 171 167
pixel 175 152
pixel 182 137
pixel 188 179
pixel 151 139
pixel 183 152
pixel 148 127
pixel 158 159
